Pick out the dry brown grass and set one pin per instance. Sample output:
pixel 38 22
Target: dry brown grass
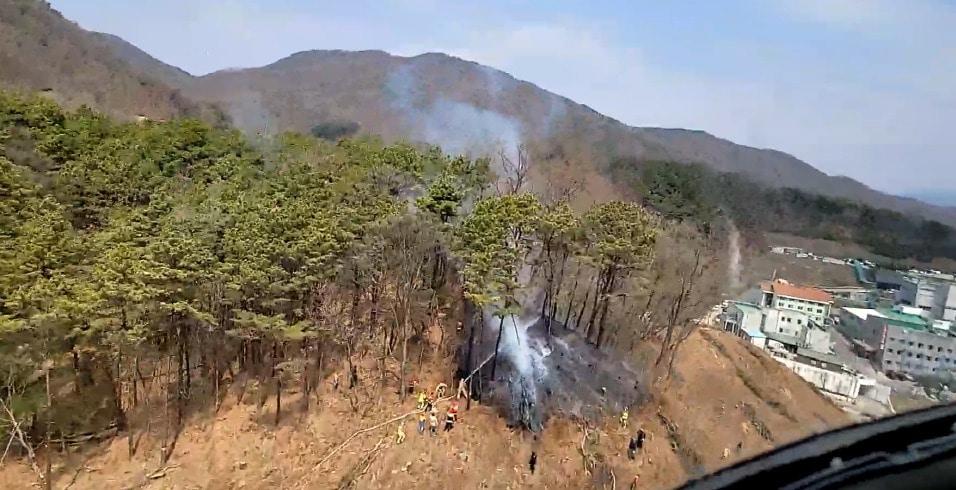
pixel 707 405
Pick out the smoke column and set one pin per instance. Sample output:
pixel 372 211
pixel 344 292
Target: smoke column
pixel 733 269
pixel 458 127
pixel 525 356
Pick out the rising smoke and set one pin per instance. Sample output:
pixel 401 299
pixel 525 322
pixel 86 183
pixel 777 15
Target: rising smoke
pixel 542 367
pixel 733 268
pixel 458 127
pixel 526 356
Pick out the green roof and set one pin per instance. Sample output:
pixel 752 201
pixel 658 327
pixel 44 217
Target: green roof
pixel 903 319
pixel 747 307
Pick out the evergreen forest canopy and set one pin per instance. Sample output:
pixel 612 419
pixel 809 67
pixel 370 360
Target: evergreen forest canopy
pixel 168 260
pixel 694 192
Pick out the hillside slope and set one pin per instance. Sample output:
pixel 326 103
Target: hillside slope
pixel 722 393
pixel 433 97
pixel 464 106
pixel 42 51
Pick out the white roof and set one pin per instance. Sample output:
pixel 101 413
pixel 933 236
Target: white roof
pixel 863 313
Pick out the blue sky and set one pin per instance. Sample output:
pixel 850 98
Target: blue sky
pixel 864 88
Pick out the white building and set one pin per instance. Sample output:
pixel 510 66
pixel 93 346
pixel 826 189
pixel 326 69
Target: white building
pixel 856 316
pixel 755 337
pixel 762 325
pixel 786 322
pixel 740 316
pixel 781 294
pixel 944 308
pixel 918 292
pixel 825 372
pixel 935 297
pixel 851 320
pixel 817 338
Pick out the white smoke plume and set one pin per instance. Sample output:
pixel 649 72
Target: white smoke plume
pixel 733 268
pixel 458 127
pixel 525 353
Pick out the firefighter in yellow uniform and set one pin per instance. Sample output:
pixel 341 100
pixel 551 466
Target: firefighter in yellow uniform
pixel 421 400
pixel 400 435
pixel 624 416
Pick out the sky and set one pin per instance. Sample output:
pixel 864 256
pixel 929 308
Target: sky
pixel 863 88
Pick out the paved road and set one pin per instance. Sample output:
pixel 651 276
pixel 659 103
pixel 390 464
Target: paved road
pixel 842 348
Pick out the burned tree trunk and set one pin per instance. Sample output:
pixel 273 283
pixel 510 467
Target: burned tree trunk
pixel 494 363
pixel 574 290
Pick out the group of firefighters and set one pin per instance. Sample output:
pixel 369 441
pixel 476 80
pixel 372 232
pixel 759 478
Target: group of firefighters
pixel 634 445
pixel 428 418
pixel 428 411
pixel 637 442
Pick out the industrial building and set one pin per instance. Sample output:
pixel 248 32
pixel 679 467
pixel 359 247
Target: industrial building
pixel 850 295
pixel 901 340
pixel 786 315
pixel 888 280
pixel 781 294
pixel 937 298
pixel 791 323
pixel 751 321
pixel 826 372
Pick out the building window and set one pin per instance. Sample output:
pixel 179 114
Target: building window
pixel 939 349
pixel 909 354
pixel 936 359
pixel 919 356
pixel 910 343
pixel 920 346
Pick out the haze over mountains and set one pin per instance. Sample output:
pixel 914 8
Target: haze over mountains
pixel 435 98
pixel 939 197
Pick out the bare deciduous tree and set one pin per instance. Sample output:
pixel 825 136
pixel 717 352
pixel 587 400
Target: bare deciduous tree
pixel 515 169
pixel 681 284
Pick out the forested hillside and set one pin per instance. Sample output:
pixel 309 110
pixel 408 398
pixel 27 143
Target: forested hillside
pixel 42 51
pixel 431 98
pixel 697 193
pixel 462 105
pixel 145 268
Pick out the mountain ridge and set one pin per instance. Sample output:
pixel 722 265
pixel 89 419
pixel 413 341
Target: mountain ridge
pixel 579 122
pixel 431 97
pixel 81 68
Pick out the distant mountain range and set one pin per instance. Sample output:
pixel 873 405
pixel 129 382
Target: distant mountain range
pixel 434 98
pixel 939 197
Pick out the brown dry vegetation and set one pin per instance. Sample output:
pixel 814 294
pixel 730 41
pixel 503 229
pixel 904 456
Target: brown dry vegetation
pixel 848 249
pixel 721 392
pixel 760 266
pixel 79 67
pixel 435 98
